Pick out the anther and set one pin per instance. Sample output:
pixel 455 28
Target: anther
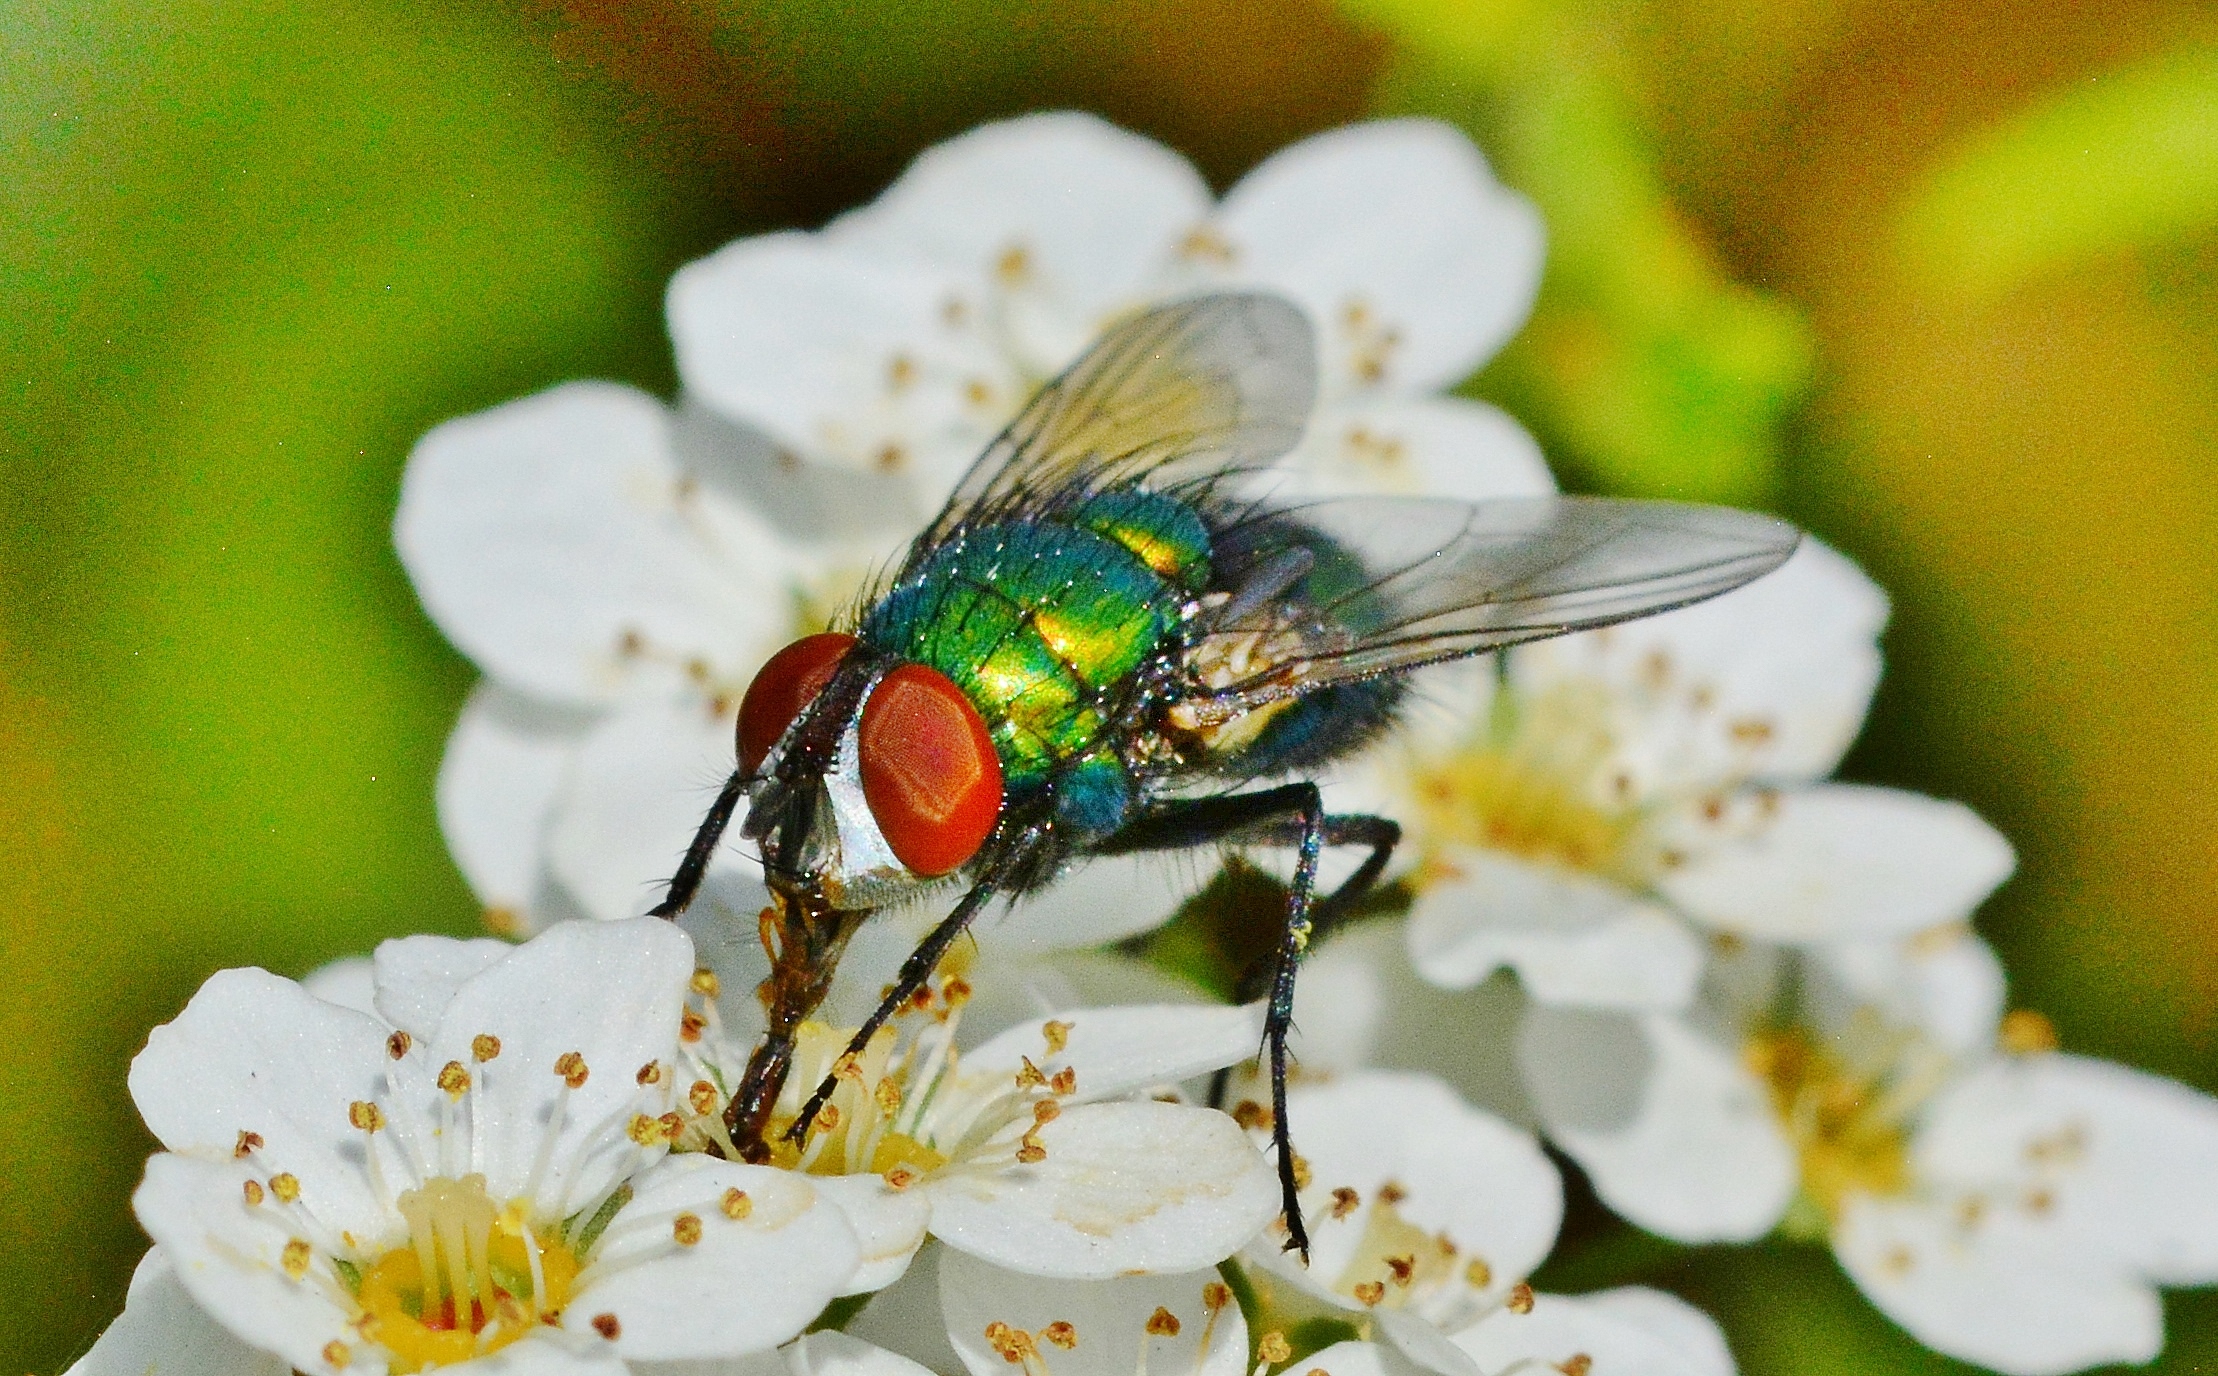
pixel 671 1125
pixel 828 1118
pixel 1215 1296
pixel 1062 1334
pixel 701 1098
pixel 253 1193
pixel 1345 1201
pixel 1478 1275
pixel 1402 1270
pixel 736 1204
pixel 705 983
pixel 692 1025
pixel 1046 1111
pixel 295 1258
pixel 338 1354
pixel 650 1073
pixel 1057 1035
pixel 888 1095
pixel 1520 1299
pixel 686 1228
pixel 1064 1081
pixel 1392 1192
pixel 1031 1151
pixel 1162 1323
pixel 1577 1364
pixel 484 1047
pixel 901 1178
pixel 1302 1176
pixel 2026 1033
pixel 607 1326
pixel 644 1131
pixel 1029 1077
pixel 570 1065
pixel 848 1067
pixel 286 1186
pixel 454 1079
pixel 1251 1115
pixel 1272 1347
pixel 247 1142
pixel 396 1046
pixel 1370 1292
pixel 955 992
pixel 366 1116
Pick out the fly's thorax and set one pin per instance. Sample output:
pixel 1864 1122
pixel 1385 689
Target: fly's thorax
pixel 1048 627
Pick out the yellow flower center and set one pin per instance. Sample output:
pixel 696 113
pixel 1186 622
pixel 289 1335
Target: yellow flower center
pixel 1537 783
pixel 1395 1261
pixel 863 1126
pixel 470 1278
pixel 1846 1126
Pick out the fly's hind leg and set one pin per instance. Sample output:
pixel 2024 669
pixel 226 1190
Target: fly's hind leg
pixel 1289 814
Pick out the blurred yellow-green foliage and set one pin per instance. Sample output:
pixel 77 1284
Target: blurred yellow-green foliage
pixel 1939 280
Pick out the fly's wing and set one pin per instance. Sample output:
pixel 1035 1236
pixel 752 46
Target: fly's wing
pixel 1395 583
pixel 1176 395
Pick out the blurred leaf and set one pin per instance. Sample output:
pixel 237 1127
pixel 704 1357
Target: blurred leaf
pixel 1645 368
pixel 2121 160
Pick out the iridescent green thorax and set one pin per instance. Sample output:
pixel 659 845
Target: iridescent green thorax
pixel 1043 623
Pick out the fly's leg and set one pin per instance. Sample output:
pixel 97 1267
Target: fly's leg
pixel 914 972
pixel 691 870
pixel 1289 814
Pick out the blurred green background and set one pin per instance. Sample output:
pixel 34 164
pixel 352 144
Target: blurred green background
pixel 1938 280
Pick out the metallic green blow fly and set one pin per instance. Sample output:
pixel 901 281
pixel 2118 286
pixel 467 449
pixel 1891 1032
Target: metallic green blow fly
pixel 1113 639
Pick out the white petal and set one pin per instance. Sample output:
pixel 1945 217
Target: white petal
pixel 772 1363
pixel 1419 446
pixel 1994 1295
pixel 1138 1186
pixel 1360 1004
pixel 889 1226
pixel 1354 1358
pixel 833 1353
pixel 1402 218
pixel 1686 1331
pixel 1619 1338
pixel 227 1254
pixel 611 992
pixel 1092 209
pixel 161 1332
pixel 539 534
pixel 1110 1317
pixel 1006 993
pixel 1572 938
pixel 348 982
pixel 1946 982
pixel 255 1053
pixel 416 976
pixel 550 1353
pixel 844 355
pixel 1677 1134
pixel 747 1285
pixel 904 1318
pixel 1465 1173
pixel 2125 1163
pixel 1118 1050
pixel 1845 861
pixel 497 783
pixel 1420 1344
pixel 637 791
pixel 1095 902
pixel 1770 681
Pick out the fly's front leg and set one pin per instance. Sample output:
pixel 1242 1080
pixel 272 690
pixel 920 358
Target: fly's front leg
pixel 691 870
pixel 914 972
pixel 1290 814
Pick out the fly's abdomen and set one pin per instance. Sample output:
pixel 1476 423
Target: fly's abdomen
pixel 1041 624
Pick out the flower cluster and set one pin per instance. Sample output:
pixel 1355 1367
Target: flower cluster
pixel 1640 921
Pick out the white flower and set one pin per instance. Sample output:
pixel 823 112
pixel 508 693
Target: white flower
pixel 1424 1214
pixel 2007 1204
pixel 1630 1331
pixel 619 569
pixel 954 1313
pixel 1026 1151
pixel 481 1173
pixel 163 1333
pixel 1599 811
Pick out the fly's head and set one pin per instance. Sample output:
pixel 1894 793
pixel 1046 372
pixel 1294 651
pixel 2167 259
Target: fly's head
pixel 870 777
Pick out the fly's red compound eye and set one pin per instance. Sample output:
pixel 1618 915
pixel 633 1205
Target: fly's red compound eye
pixel 785 685
pixel 930 773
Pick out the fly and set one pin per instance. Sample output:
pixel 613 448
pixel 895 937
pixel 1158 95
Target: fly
pixel 1112 641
